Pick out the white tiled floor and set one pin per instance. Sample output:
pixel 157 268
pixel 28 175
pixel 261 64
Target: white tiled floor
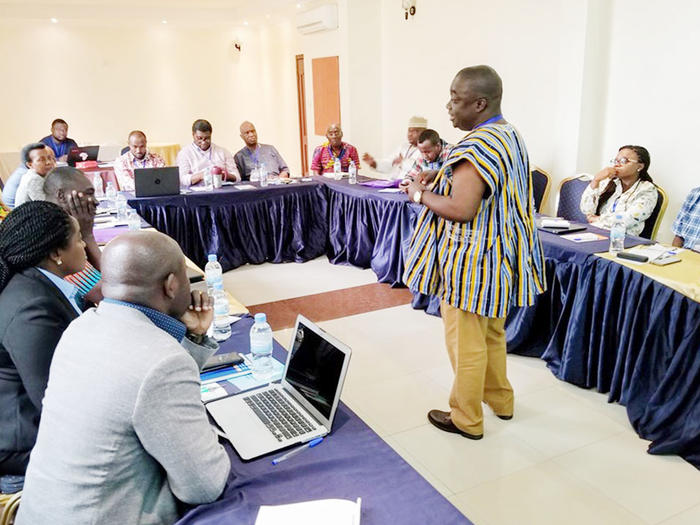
pixel 567 456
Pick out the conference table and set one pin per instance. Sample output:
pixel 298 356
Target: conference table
pixel 600 324
pixel 351 462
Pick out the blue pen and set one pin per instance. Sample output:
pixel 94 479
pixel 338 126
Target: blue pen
pixel 294 452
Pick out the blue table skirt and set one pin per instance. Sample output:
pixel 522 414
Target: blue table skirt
pixel 285 223
pixel 600 325
pixel 352 462
pixel 604 326
pixel 368 229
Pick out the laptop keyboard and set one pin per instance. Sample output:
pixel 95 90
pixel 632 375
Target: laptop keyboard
pixel 282 419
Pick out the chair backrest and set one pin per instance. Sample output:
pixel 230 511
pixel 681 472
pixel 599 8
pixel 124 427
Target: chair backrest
pixel 124 150
pixel 651 225
pixel 10 508
pixel 569 198
pixel 541 183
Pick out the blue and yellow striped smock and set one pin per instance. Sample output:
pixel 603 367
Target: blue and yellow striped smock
pixel 495 261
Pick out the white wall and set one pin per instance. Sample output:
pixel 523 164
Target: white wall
pixel 327 44
pixel 652 92
pixel 107 79
pixel 537 48
pixel 357 44
pixel 581 77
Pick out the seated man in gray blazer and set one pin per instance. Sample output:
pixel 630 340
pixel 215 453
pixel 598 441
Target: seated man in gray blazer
pixel 123 433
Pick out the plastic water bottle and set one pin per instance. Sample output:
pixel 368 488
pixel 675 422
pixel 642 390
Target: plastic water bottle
pixel 120 204
pixel 352 172
pixel 337 169
pixel 111 193
pixel 261 348
pixel 263 175
pixel 213 274
pixel 208 179
pixel 617 234
pixel 255 173
pixel 222 327
pixel 133 220
pixel 99 187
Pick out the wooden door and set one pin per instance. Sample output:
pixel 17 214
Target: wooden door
pixel 326 93
pixel 301 102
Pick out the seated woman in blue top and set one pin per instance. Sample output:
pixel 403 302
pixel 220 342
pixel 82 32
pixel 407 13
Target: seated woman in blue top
pixel 39 245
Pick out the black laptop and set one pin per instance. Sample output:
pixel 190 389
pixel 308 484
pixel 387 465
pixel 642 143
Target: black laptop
pixel 155 182
pixel 82 154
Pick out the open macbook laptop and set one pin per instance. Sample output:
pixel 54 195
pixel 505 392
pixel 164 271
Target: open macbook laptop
pixel 298 409
pixel 154 182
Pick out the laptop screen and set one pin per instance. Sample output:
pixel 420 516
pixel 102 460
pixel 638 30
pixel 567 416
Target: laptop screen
pixel 314 369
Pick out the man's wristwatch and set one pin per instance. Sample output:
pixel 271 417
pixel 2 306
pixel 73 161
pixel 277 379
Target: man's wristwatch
pixel 417 196
pixel 201 339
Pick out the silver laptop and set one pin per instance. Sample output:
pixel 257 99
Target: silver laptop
pixel 298 409
pixel 107 153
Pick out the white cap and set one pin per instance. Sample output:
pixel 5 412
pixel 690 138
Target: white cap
pixel 417 122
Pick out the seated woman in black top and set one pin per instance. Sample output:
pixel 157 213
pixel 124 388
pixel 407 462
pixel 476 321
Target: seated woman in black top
pixel 39 245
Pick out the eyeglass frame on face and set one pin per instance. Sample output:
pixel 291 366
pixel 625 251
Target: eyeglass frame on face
pixel 622 161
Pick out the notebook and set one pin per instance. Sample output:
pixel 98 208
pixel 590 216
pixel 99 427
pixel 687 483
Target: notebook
pixel 300 408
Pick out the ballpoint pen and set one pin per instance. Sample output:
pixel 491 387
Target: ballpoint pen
pixel 294 452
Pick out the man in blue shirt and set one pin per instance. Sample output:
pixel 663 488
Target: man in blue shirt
pixel 58 141
pixel 687 224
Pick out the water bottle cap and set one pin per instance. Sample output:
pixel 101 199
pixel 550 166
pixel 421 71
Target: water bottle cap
pixel 260 318
pixel 211 257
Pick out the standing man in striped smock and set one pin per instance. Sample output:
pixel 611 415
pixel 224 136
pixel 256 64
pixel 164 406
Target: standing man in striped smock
pixel 476 245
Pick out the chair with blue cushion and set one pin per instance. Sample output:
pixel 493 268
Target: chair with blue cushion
pixel 541 183
pixel 124 150
pixel 651 225
pixel 569 198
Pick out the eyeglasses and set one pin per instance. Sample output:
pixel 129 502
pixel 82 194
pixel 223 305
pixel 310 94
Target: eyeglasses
pixel 621 161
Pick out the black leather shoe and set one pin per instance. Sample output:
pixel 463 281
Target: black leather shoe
pixel 505 418
pixel 442 420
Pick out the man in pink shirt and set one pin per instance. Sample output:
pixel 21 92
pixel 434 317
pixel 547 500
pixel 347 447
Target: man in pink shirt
pixel 138 156
pixel 201 155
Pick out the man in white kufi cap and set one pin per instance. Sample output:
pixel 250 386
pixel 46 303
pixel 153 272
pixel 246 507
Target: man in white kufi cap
pixel 402 160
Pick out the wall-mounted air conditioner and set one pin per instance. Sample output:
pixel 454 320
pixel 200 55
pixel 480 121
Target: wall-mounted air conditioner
pixel 322 18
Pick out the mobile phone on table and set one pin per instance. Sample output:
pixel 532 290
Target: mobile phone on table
pixel 222 361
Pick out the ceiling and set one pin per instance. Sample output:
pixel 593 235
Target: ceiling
pixel 174 11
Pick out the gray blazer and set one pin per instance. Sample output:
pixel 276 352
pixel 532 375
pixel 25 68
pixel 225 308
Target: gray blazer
pixel 123 431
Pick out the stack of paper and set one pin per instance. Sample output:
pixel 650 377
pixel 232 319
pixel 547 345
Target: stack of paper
pixel 319 512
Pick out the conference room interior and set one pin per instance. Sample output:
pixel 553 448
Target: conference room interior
pixel 580 79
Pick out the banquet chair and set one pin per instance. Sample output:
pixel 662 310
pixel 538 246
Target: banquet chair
pixel 541 184
pixel 569 198
pixel 124 150
pixel 651 225
pixel 10 505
